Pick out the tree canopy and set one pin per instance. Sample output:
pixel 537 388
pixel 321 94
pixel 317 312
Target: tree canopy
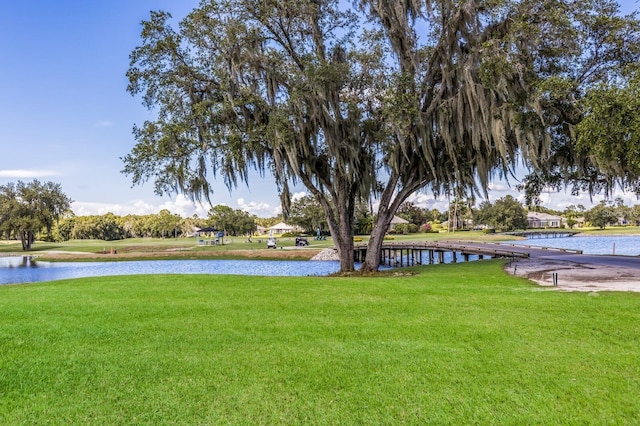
pixel 379 100
pixel 307 214
pixel 29 208
pixel 232 222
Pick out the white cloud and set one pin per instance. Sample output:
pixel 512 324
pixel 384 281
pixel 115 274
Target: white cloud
pixel 298 195
pixel 104 123
pixel 180 205
pixel 260 209
pixel 500 187
pixel 27 174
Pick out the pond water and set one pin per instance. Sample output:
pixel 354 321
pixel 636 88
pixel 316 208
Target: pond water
pixel 623 245
pixel 14 270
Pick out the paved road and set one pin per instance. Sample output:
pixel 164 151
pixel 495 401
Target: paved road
pixel 595 259
pixel 559 255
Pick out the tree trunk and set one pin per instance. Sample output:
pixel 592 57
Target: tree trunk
pixel 26 238
pixel 345 252
pixel 372 259
pixel 342 234
pixel 390 201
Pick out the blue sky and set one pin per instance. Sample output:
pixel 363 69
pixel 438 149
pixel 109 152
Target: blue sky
pixel 66 117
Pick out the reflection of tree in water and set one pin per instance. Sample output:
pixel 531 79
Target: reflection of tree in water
pixel 24 262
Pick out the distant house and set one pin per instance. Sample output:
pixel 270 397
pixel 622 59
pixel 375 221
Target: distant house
pixel 282 228
pixel 396 220
pixel 543 220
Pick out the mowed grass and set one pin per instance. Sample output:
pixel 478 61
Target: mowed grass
pixel 453 344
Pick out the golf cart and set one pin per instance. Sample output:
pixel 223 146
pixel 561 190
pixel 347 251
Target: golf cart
pixel 272 243
pixel 301 242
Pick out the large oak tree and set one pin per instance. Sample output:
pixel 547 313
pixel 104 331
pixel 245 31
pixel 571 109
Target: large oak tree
pixel 381 100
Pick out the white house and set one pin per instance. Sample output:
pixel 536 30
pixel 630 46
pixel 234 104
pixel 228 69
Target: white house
pixel 281 228
pixel 543 220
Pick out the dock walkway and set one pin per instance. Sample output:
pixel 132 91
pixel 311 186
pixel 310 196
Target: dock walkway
pixel 420 253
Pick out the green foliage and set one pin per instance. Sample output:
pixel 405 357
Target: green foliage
pixel 414 214
pixel 29 208
pixel 506 214
pixel 404 228
pixel 427 228
pixel 232 222
pixel 307 213
pixel 610 132
pixel 591 104
pixel 110 227
pixel 602 215
pixel 381 100
pixel 453 344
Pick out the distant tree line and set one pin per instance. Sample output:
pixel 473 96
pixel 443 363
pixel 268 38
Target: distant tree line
pixel 164 224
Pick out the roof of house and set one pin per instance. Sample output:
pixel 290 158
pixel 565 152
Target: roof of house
pixel 281 225
pixel 397 219
pixel 542 216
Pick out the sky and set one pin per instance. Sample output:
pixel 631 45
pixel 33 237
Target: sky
pixel 66 117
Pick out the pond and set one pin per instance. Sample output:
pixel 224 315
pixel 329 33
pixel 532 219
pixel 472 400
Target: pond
pixel 18 269
pixel 620 245
pixel 15 270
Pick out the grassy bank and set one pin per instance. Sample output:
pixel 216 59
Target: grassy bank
pixel 454 344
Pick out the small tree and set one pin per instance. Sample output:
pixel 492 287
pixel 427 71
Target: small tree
pixel 232 222
pixel 506 214
pixel 414 214
pixel 307 213
pixel 602 215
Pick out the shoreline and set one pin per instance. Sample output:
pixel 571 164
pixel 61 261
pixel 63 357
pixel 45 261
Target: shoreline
pixel 575 275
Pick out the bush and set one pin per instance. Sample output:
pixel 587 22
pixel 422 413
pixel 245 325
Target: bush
pixel 428 229
pixel 488 231
pixel 435 226
pixel 404 228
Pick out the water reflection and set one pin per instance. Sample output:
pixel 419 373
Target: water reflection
pixel 18 262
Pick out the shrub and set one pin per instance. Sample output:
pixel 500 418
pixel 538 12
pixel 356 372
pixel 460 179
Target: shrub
pixel 428 229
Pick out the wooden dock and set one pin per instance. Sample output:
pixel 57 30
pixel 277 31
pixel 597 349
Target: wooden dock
pixel 422 253
pixel 543 233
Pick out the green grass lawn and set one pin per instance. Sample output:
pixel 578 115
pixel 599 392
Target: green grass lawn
pixel 453 344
